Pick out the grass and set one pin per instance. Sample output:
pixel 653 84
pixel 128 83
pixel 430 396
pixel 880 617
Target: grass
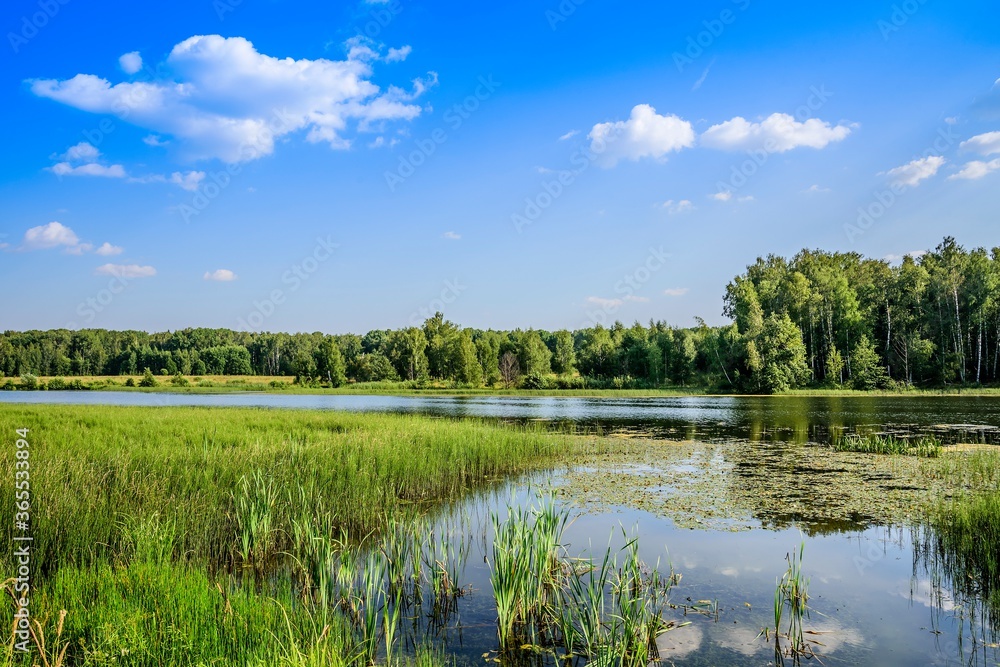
pixel 927 447
pixel 204 536
pixel 959 548
pixel 792 595
pixel 609 611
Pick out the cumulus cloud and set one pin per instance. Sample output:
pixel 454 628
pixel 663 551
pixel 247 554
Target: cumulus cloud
pixel 777 133
pixel 108 250
pixel 89 169
pixel 644 134
pixel 984 144
pixel 607 304
pixel 973 171
pixel 915 254
pixel 398 55
pixel 220 275
pixel 130 62
pixel 723 195
pixel 224 99
pixel 125 271
pixel 451 236
pixel 52 235
pixel 153 140
pixel 82 160
pixel 913 173
pixel 676 291
pixel 674 207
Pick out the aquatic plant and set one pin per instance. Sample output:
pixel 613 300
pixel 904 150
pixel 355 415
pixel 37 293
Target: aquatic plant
pixel 925 446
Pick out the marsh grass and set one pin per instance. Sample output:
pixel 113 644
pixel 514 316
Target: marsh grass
pixel 608 611
pixel 877 443
pixel 958 548
pixel 791 608
pixel 182 536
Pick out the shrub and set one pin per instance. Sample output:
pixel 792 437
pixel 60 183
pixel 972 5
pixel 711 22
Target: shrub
pixel 58 384
pixel 179 380
pixel 533 381
pixel 148 380
pixel 130 382
pixel 30 382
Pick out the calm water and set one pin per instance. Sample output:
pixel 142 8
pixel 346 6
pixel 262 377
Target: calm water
pixel 873 602
pixel 796 419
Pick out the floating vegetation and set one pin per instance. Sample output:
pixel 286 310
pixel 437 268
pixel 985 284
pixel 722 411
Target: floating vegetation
pixel 927 446
pixel 609 611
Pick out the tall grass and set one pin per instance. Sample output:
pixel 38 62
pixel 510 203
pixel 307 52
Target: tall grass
pixel 958 546
pixel 925 447
pixel 183 536
pixel 551 604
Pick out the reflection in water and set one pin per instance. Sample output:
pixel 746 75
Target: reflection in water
pixel 796 419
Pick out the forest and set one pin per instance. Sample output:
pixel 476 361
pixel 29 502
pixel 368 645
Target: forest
pixel 818 319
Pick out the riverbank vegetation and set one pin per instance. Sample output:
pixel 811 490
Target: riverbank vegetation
pixel 817 320
pixel 256 537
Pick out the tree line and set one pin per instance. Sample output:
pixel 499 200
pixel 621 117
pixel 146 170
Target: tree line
pixel 816 319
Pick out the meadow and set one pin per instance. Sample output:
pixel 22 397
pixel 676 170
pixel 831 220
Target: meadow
pixel 184 536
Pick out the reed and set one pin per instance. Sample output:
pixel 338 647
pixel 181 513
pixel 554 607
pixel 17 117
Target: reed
pixel 925 446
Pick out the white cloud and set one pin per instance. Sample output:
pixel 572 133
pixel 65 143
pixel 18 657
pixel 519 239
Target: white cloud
pixel 723 195
pixel 918 170
pixel 52 235
pixel 226 100
pixel 89 169
pixel 607 304
pixel 973 171
pixel 816 189
pixel 777 133
pixel 221 275
pixel 543 170
pixel 82 152
pixel 644 134
pixel 81 160
pixel 80 249
pixel 569 135
pixel 452 236
pixel 682 206
pixel 637 299
pixel 108 250
pixel 704 75
pixel 915 254
pixel 125 271
pixel 398 55
pixel 984 144
pixel 951 120
pixel 676 291
pixel 153 140
pixel 188 181
pixel 130 62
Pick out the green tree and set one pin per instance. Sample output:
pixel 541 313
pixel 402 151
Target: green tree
pixel 329 362
pixel 866 365
pixel 564 358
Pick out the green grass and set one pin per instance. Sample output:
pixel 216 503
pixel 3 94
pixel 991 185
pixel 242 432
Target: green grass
pixel 184 536
pixel 927 447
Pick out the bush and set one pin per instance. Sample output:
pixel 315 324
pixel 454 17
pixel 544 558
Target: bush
pixel 179 380
pixel 148 380
pixel 533 381
pixel 278 384
pixel 58 384
pixel 30 382
pixel 130 382
pixel 8 386
pixel 76 384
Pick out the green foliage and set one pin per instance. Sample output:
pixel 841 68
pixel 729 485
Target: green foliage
pixel 867 372
pixel 925 447
pixel 148 380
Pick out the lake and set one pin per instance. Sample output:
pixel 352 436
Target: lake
pixel 874 598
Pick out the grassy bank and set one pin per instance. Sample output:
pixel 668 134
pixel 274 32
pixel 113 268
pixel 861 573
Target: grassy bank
pixel 193 536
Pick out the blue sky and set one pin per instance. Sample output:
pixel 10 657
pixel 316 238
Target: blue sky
pixel 527 164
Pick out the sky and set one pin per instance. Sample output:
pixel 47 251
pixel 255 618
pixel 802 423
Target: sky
pixel 349 166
